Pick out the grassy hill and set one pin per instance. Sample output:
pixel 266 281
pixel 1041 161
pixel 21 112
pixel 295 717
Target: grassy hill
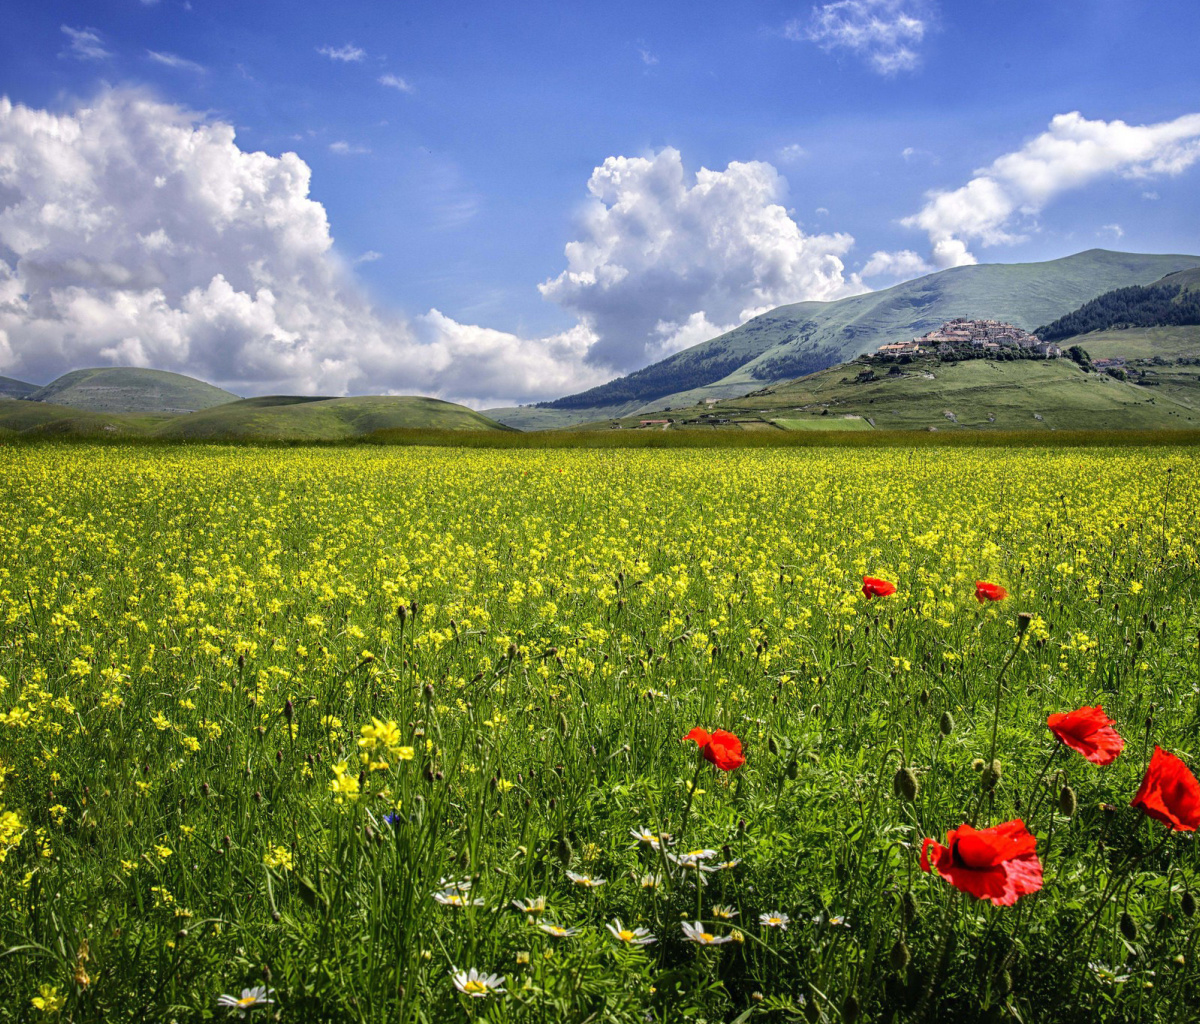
pixel 978 394
pixel 790 341
pixel 322 419
pixel 10 388
pixel 275 418
pixel 131 389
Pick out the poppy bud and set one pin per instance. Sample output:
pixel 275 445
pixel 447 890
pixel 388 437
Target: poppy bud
pixel 742 828
pixel 850 1009
pixel 947 723
pixel 413 609
pixel 793 769
pixel 276 916
pixel 226 842
pixel 1128 926
pixel 288 710
pixel 909 907
pixel 1188 904
pixel 564 851
pixel 204 788
pixel 401 613
pixel 512 651
pixel 279 757
pixel 241 661
pixel 905 784
pixel 1067 801
pixel 1023 621
pixel 991 775
pixel 924 698
pixel 772 745
pixel 1004 981
pixel 900 957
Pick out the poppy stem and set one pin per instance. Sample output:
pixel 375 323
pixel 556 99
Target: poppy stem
pixel 1034 789
pixel 999 689
pixel 687 808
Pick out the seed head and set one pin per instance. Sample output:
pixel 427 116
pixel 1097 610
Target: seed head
pixel 900 957
pixel 947 723
pixel 1023 621
pixel 991 775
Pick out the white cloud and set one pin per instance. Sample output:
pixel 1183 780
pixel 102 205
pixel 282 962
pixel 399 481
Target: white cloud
pixel 658 250
pixel 901 265
pixel 172 60
pixel 370 256
pixel 395 82
pixel 1150 195
pixel 792 154
pixel 647 57
pixel 344 148
pixel 885 33
pixel 1116 229
pixel 348 54
pixel 84 44
pixel 996 205
pixel 137 233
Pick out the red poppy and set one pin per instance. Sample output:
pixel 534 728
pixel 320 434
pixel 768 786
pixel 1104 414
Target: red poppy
pixel 1089 731
pixel 998 863
pixel 873 587
pixel 989 591
pixel 1169 793
pixel 722 748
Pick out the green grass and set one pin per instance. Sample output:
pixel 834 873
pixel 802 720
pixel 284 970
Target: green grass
pixel 823 423
pixel 1142 343
pixel 202 644
pixel 10 388
pixel 123 389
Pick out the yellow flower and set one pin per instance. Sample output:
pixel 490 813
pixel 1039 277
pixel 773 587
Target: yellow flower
pixel 48 1000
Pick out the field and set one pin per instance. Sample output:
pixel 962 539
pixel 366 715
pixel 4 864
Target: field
pixel 333 723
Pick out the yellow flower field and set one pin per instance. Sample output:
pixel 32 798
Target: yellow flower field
pixel 326 722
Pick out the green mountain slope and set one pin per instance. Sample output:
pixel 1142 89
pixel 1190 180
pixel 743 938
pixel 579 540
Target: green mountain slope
pixel 322 419
pixel 806 337
pixel 10 388
pixel 275 418
pixel 131 389
pixel 979 394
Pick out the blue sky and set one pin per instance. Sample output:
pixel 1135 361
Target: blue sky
pixel 451 147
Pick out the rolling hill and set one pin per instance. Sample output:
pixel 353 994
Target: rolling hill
pixel 275 418
pixel 806 337
pixel 122 389
pixel 10 388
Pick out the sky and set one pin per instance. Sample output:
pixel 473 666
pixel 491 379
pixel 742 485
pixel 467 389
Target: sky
pixel 502 204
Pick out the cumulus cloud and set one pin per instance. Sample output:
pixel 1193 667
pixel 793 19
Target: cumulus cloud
pixel 659 254
pixel 997 205
pixel 884 33
pixel 344 148
pixel 84 44
pixel 348 54
pixel 395 82
pixel 133 232
pixel 900 265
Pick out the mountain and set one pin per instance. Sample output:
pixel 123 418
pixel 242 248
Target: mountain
pixel 10 388
pixel 275 418
pixel 131 389
pixel 806 337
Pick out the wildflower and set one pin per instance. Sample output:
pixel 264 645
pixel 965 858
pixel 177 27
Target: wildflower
pixel 724 913
pixel 534 906
pixel 450 898
pixel 48 1000
pixel 998 864
pixel 250 998
pixel 278 857
pixel 1108 975
pixel 726 865
pixel 557 930
pixel 693 859
pixel 1169 793
pixel 775 919
pixel 989 592
pixel 478 986
pixel 630 936
pixel 650 881
pixel 462 885
pixel 722 748
pixel 1088 731
pixel 696 933
pixel 585 881
pixel 644 835
pixel 874 587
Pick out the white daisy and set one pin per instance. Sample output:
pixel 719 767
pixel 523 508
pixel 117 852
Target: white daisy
pixel 696 933
pixel 534 906
pixel 558 931
pixel 723 913
pixel 775 919
pixel 585 881
pixel 250 998
pixel 630 936
pixel 456 899
pixel 478 986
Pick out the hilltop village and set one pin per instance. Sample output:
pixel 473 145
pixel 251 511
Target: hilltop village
pixel 972 339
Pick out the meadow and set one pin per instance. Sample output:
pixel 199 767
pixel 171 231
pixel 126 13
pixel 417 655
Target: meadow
pixel 397 734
